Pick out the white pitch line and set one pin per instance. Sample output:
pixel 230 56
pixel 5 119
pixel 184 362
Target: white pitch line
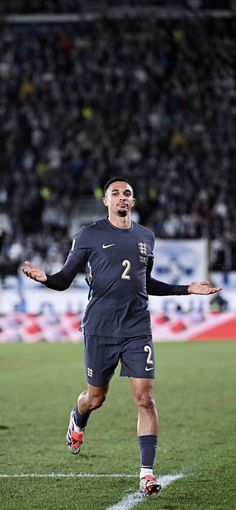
pixel 66 475
pixel 134 499
pixel 128 502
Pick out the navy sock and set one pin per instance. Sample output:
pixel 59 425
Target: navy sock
pixel 147 446
pixel 81 419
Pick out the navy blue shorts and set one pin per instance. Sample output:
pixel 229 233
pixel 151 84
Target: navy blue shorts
pixel 102 355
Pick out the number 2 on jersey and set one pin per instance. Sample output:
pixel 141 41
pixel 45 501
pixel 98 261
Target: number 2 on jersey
pixel 125 275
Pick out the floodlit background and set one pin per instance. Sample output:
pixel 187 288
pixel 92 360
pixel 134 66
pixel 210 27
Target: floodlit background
pixel 90 90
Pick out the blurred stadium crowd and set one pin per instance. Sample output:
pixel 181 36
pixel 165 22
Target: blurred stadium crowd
pixel 154 100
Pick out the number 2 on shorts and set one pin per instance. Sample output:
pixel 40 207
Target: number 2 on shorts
pixel 148 349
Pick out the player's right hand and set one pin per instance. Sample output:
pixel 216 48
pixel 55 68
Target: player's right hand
pixel 35 273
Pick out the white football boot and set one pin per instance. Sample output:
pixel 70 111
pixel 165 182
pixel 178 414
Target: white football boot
pixel 149 485
pixel 74 436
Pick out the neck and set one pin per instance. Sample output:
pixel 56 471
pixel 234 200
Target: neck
pixel 120 222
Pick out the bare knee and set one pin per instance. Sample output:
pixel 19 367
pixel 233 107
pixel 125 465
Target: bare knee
pixel 145 401
pixel 95 400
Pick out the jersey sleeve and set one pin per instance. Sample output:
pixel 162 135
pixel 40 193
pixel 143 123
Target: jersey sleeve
pixel 74 264
pixel 157 288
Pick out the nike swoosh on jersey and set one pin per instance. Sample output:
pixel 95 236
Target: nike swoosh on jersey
pixel 148 368
pixel 107 245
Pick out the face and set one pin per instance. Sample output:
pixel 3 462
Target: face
pixel 119 198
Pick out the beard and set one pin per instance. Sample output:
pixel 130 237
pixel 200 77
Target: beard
pixel 122 212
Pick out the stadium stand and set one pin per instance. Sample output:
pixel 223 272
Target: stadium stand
pixel 149 98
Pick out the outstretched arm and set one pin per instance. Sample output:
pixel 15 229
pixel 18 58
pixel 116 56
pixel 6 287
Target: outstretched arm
pixel 74 264
pixel 157 288
pixel 57 281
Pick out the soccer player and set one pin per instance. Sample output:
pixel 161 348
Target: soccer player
pixel 117 255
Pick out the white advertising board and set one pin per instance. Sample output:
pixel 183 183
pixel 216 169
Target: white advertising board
pixel 180 261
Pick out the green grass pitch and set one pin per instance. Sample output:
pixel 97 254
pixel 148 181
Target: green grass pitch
pixel 196 398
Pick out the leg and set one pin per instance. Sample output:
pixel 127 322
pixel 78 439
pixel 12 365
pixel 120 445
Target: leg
pixel 143 393
pixel 91 399
pixel 101 359
pixel 88 401
pixel 148 430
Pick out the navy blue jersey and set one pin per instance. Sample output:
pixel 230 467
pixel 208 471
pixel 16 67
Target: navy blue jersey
pixel 118 263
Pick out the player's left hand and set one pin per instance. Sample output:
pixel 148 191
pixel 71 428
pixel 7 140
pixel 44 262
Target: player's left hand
pixel 203 288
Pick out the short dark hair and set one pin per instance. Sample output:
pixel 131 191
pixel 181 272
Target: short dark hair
pixel 115 179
